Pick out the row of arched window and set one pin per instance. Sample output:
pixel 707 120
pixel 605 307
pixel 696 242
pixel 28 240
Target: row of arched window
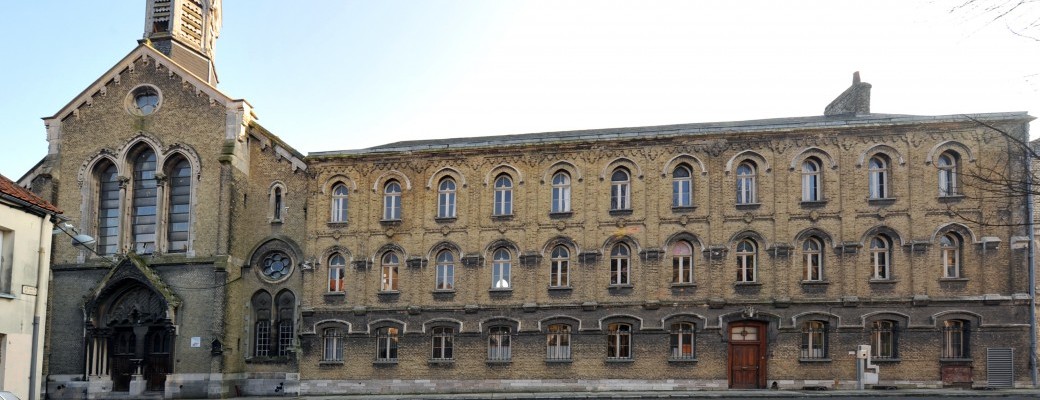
pixel 746 185
pixel 154 202
pixel 747 252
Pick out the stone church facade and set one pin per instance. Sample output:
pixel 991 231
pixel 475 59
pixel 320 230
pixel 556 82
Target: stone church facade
pixel 709 255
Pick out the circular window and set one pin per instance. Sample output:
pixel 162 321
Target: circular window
pixel 143 100
pixel 276 265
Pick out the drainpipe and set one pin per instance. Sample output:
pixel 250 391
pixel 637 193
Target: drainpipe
pixel 1032 267
pixel 42 281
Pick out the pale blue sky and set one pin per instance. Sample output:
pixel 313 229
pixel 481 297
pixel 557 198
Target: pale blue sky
pixel 333 75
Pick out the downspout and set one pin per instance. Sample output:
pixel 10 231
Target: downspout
pixel 1032 267
pixel 42 281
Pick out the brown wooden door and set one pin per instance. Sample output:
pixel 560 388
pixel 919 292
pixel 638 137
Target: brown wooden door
pixel 747 361
pixel 122 348
pixel 157 358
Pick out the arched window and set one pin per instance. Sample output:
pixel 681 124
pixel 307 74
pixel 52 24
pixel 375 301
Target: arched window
pixel 261 303
pixel 561 193
pixel 558 342
pixel 950 245
pixel 107 209
pixel 948 166
pixel 277 203
pixel 445 271
pixel 878 177
pixel 682 263
pixel 619 341
pixel 559 267
pixel 390 267
pixel 332 349
pixel 499 344
pixel 747 260
pixel 881 257
pixel 814 340
pixel 386 344
pixel 884 340
pixel 503 195
pixel 746 183
pixel 339 203
pixel 619 265
pixel 812 252
pixel 337 266
pixel 145 199
pixel 392 201
pixel 620 190
pixel 178 210
pixel 683 341
pixel 286 302
pixel 811 182
pixel 956 335
pixel 446 198
pixel 500 271
pixel 682 187
pixel 443 344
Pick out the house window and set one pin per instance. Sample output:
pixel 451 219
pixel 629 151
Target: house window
pixel 884 340
pixel 6 267
pixel 337 265
pixel 950 245
pixel 339 203
pixel 620 194
pixel 619 263
pixel 558 268
pixel 747 256
pixel 277 204
pixel 145 198
pixel 955 339
pixel 392 201
pixel 388 279
pixel 333 344
pixel 682 187
pixel 443 339
pixel 878 177
pixel 108 209
pixel 386 344
pixel 558 343
pixel 811 250
pixel 286 302
pixel 263 338
pixel 499 344
pixel 814 340
pixel 683 342
pixel 881 257
pixel 445 271
pixel 682 263
pixel 446 198
pixel 746 185
pixel 619 342
pixel 500 270
pixel 503 195
pixel 561 193
pixel 811 180
pixel 261 304
pixel 948 174
pixel 178 213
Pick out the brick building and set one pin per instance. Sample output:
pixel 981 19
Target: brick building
pixel 707 255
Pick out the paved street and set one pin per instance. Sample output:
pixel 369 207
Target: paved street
pixel 707 394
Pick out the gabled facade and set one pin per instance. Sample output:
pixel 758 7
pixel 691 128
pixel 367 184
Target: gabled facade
pixel 712 255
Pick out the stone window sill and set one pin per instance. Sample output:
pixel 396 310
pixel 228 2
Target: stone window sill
pixel 816 283
pixel 385 362
pixel 390 222
pixel 499 362
pixel 444 291
pixel 621 212
pixel 561 288
pixel 389 292
pixel 883 281
pixel 881 202
pixel 683 285
pixel 620 360
pixel 953 279
pixel 748 206
pixel 335 294
pixel 683 209
pixel 885 360
pixel 441 361
pixel 955 360
pixel 682 360
pixel 337 224
pixel 559 361
pixel 7 296
pixel 561 215
pixel 501 290
pixel 502 217
pixel 621 286
pixel 747 284
pixel 951 198
pixel 814 360
pixel 330 363
pixel 814 203
pixel 445 220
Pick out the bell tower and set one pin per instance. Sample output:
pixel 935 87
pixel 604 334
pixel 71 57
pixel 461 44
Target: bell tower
pixel 186 31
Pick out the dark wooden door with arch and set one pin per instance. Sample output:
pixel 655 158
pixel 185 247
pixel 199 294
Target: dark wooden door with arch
pixel 747 355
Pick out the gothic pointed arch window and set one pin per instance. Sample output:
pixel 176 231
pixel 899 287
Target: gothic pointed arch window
pixel 286 303
pixel 682 186
pixel 145 202
pixel 561 193
pixel 503 196
pixel 340 195
pixel 446 198
pixel 261 304
pixel 178 207
pixel 107 177
pixel 277 202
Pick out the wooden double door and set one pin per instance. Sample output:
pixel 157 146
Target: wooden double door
pixel 747 355
pixel 153 352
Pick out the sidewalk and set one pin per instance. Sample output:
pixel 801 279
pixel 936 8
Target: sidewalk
pixel 699 394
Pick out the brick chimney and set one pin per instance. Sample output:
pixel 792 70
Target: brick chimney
pixel 853 101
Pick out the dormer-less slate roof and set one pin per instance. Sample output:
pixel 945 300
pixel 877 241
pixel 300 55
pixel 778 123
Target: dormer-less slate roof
pixel 776 125
pixel 12 191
